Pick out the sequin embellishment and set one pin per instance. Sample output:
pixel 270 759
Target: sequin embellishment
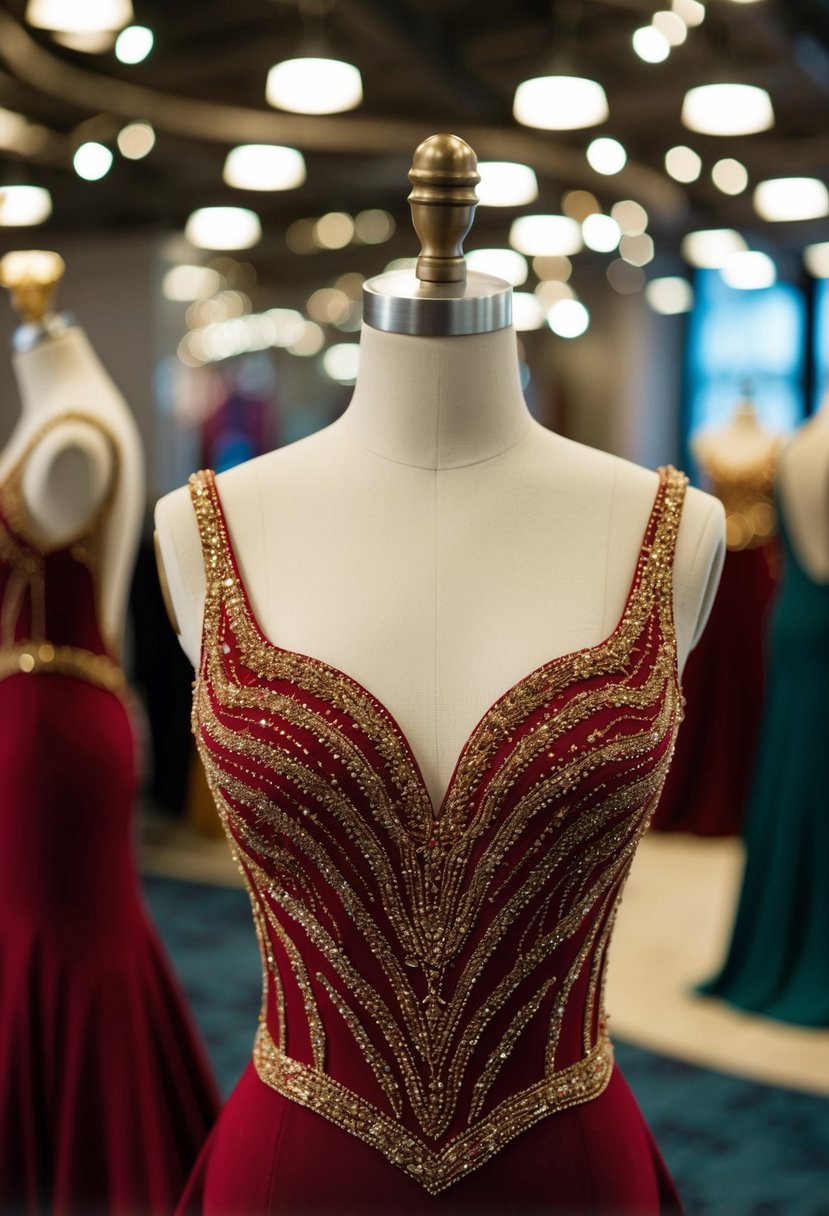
pixel 457 956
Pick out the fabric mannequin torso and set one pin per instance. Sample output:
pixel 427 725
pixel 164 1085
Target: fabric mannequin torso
pixel 436 543
pixel 804 490
pixel 68 472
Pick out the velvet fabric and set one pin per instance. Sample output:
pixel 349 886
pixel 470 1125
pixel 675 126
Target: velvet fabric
pixel 105 1092
pixel 414 954
pixel 268 1156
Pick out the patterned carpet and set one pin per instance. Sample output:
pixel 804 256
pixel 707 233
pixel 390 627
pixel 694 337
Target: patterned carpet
pixel 735 1148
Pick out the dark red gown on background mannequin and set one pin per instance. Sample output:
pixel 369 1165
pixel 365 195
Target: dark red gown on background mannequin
pixel 724 678
pixel 432 1036
pixel 105 1094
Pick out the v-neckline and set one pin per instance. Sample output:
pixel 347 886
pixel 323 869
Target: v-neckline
pixel 437 813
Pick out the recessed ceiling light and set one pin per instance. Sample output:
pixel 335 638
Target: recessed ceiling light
pixel 579 204
pixel 730 176
pixel 545 235
pixel 691 11
pixel 134 44
pixel 314 86
pixel 24 206
pixel 264 167
pixel 527 312
pixel 136 140
pixel 650 45
pixel 502 263
pixel 606 156
pixel 341 362
pixel 670 295
pixel 550 291
pixel 638 250
pixel 505 184
pixel 709 247
pixel 185 283
pixel 373 227
pixel 601 233
pixel 73 17
pixel 568 318
pixel 683 164
pixel 223 228
pixel 631 216
pixel 727 109
pixel 816 259
pixel 92 161
pixel 749 270
pixel 560 103
pixel 671 26
pixel 333 230
pixel 791 198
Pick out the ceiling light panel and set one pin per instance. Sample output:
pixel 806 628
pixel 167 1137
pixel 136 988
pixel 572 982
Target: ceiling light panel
pixel 314 86
pixel 560 103
pixel 727 109
pixel 791 198
pixel 264 167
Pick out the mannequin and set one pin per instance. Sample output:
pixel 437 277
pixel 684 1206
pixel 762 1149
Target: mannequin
pixel 92 1022
pixel 499 544
pixel 803 482
pixel 438 546
pixel 70 470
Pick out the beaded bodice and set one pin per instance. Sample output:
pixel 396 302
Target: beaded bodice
pixel 433 978
pixel 50 619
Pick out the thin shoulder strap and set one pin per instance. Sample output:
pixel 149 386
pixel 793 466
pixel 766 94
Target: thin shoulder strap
pixel 12 502
pixel 213 542
pixel 662 543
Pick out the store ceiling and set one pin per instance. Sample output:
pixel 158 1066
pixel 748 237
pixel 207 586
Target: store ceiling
pixel 427 66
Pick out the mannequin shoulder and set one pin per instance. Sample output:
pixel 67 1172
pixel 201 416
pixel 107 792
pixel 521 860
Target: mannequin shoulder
pixel 803 484
pixel 181 566
pixel 66 476
pixel 698 563
pixel 625 492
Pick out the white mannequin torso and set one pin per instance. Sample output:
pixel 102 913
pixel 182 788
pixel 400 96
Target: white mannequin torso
pixel 68 472
pixel 436 543
pixel 803 480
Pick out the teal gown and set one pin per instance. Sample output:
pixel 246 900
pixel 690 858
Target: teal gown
pixel 778 959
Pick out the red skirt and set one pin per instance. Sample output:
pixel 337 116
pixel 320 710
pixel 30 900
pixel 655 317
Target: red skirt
pixel 269 1156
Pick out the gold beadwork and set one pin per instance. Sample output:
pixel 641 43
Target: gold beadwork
pixel 535 842
pixel 748 497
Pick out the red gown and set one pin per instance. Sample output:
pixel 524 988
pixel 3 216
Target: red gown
pixel 105 1093
pixel 432 1036
pixel 724 679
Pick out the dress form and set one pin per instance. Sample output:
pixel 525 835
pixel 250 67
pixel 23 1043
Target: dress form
pixel 741 445
pixel 803 481
pixel 75 431
pixel 436 543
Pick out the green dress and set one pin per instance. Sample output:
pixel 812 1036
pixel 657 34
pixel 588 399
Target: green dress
pixel 778 959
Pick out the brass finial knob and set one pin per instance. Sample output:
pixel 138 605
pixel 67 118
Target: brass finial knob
pixel 444 175
pixel 31 275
